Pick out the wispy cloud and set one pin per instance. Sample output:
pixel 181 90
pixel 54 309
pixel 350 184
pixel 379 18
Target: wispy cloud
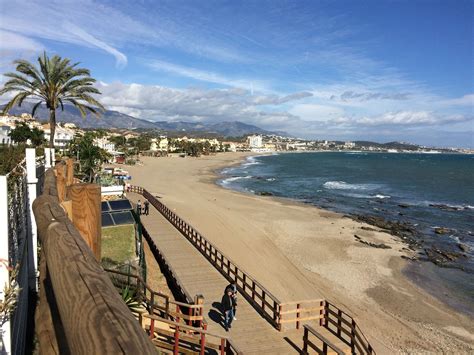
pixel 207 76
pixel 91 40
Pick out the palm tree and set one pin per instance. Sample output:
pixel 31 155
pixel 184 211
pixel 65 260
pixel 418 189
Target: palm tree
pixel 55 82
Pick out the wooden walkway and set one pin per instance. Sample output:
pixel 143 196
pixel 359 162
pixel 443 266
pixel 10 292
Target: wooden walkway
pixel 250 332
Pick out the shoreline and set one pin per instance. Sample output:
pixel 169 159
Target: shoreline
pixel 415 269
pixel 309 252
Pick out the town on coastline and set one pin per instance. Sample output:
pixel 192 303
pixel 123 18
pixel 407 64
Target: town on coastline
pixel 119 143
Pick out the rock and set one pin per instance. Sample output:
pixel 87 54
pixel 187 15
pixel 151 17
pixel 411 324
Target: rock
pixel 265 193
pixel 370 244
pixel 368 229
pixel 403 205
pixel 441 230
pixel 445 207
pixel 463 247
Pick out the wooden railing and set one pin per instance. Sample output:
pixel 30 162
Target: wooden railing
pixel 293 313
pixel 186 339
pixel 79 310
pixel 310 343
pixel 159 303
pixel 258 296
pixel 279 314
pixel 345 328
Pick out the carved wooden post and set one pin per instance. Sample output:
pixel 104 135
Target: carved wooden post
pixel 86 214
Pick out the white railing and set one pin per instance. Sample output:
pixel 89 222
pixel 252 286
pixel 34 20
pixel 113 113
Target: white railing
pixel 18 245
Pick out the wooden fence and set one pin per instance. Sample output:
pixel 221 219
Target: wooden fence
pixel 158 303
pixel 79 311
pixel 258 296
pixel 345 328
pixel 311 340
pixel 186 339
pixel 289 314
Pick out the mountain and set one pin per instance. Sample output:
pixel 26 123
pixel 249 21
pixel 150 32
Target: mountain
pixel 115 119
pixel 109 119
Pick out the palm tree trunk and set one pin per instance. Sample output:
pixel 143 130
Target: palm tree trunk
pixel 52 126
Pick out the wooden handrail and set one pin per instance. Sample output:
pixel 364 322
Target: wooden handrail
pixel 225 346
pixel 262 299
pixel 326 343
pixel 77 297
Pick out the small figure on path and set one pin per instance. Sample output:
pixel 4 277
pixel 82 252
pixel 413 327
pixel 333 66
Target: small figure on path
pixel 146 209
pixel 233 288
pixel 227 309
pixel 139 207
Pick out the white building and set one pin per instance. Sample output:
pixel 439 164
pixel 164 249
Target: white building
pixel 62 136
pixel 255 141
pixel 349 145
pixel 4 131
pixel 104 143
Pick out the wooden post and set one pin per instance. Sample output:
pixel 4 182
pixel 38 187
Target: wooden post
pixel 69 172
pixel 152 328
pixel 339 322
pixel 321 313
pixel 199 299
pixel 176 341
pixel 297 316
pixel 61 181
pixel 305 341
pixel 203 340
pixel 86 214
pixel 222 346
pixel 279 321
pixel 353 325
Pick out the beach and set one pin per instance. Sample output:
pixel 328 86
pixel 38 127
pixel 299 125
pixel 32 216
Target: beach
pixel 299 251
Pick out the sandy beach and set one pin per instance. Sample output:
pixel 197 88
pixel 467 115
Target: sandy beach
pixel 299 251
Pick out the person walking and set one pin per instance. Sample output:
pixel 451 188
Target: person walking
pixel 233 288
pixel 139 207
pixel 146 210
pixel 227 309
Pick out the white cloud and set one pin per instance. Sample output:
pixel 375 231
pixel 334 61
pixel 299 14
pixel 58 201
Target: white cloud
pixel 91 40
pixel 315 112
pixel 207 76
pixel 10 41
pixel 466 100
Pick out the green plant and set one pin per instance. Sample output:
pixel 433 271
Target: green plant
pixel 128 296
pixel 10 293
pixel 53 83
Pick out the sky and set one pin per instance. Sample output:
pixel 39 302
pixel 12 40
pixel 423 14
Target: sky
pixel 348 70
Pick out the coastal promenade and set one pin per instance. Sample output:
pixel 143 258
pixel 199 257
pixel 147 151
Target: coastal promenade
pixel 250 332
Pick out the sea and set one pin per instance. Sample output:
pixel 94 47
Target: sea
pixel 424 191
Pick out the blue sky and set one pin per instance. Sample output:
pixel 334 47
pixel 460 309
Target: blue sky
pixel 375 70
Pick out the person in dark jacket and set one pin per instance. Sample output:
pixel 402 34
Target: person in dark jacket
pixel 139 207
pixel 227 308
pixel 233 288
pixel 146 210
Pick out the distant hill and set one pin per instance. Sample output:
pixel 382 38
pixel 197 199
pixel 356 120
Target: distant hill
pixel 115 119
pixel 389 145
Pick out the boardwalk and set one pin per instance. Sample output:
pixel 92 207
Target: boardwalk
pixel 250 332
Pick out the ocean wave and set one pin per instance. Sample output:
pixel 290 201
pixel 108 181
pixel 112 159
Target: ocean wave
pixel 234 178
pixel 251 161
pixel 342 185
pixel 270 179
pixel 381 196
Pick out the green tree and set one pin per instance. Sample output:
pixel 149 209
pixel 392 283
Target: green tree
pixel 53 83
pixel 37 137
pixel 89 155
pixel 21 133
